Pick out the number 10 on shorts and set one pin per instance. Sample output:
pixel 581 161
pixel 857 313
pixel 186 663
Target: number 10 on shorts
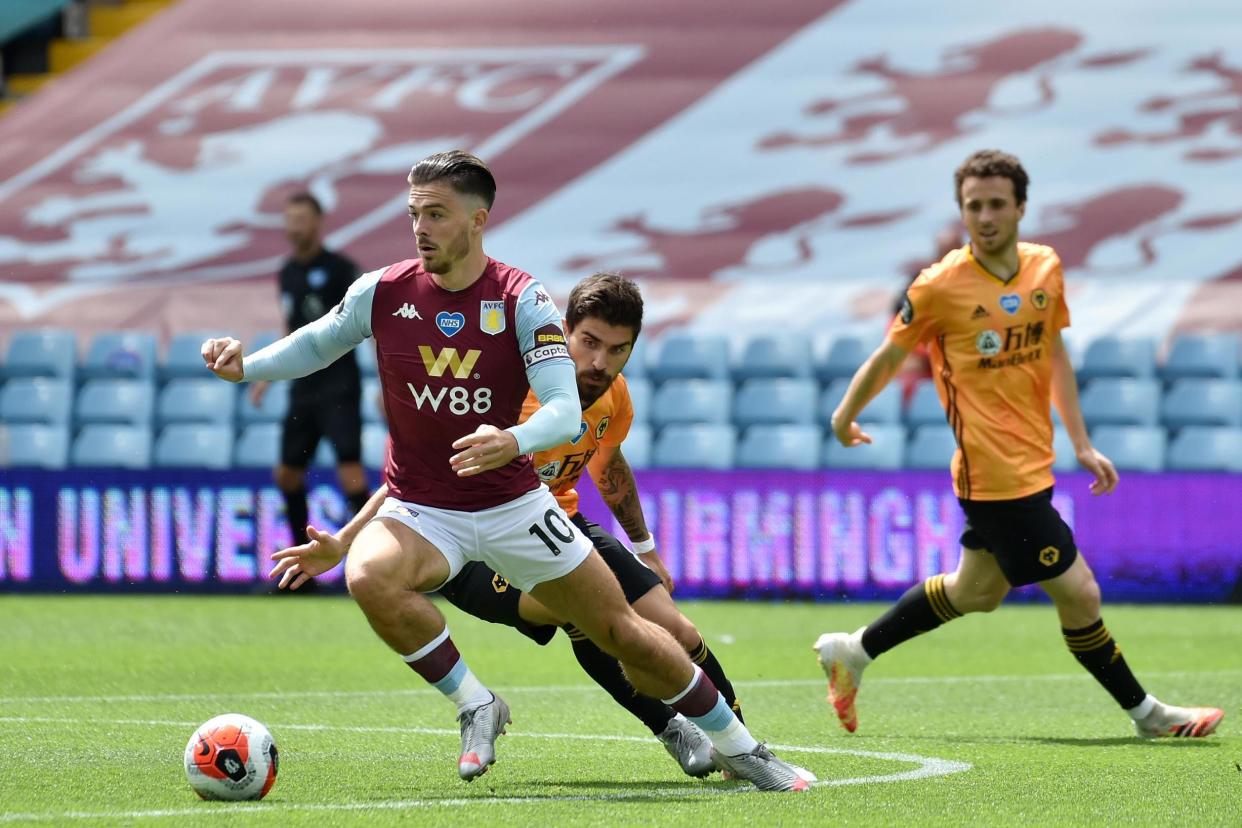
pixel 556 525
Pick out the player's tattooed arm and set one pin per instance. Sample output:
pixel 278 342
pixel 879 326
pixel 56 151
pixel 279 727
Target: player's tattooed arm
pixel 615 480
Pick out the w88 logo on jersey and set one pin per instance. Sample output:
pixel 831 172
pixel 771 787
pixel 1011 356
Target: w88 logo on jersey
pixel 458 399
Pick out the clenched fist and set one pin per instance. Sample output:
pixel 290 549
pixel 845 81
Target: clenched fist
pixel 224 358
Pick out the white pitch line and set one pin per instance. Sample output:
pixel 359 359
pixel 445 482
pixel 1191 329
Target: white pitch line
pixel 927 767
pixel 582 688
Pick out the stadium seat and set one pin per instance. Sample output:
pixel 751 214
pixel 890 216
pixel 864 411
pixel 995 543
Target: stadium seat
pixel 683 355
pixel 1110 356
pixel 258 446
pixel 197 401
pixel 1133 448
pixel 34 445
pixel 120 446
pixel 325 455
pixel 368 365
pixel 1118 401
pixel 121 355
pixel 1202 402
pixel 886 451
pixel 1063 447
pixel 374 445
pixel 843 357
pixel 640 397
pixel 123 401
pixel 931 447
pixel 1202 355
pixel 372 404
pixel 195 445
pixel 780 446
pixel 775 401
pixel 1206 448
pixel 271 410
pixel 36 400
pixel 695 446
pixel 692 401
pixel 885 407
pixel 184 359
pixel 925 407
pixel 636 365
pixel 41 353
pixel 769 356
pixel 637 446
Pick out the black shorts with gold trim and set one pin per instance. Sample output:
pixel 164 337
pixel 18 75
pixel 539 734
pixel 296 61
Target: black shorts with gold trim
pixel 1027 536
pixel 480 591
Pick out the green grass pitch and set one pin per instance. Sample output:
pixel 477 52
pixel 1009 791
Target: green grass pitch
pixel 988 721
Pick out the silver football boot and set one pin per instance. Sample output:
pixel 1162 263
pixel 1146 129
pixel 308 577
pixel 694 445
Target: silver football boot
pixel 689 745
pixel 479 729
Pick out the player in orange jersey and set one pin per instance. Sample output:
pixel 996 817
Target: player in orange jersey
pixel 992 313
pixel 603 318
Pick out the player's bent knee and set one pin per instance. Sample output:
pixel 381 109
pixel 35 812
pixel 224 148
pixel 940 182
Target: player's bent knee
pixel 685 632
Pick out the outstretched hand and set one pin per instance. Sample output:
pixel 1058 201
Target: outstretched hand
pixel 224 358
pixel 298 564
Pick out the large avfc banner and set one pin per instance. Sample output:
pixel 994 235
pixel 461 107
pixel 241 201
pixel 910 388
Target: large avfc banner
pixel 825 536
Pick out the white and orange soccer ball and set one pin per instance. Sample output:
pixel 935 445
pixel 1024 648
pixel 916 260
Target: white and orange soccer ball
pixel 231 757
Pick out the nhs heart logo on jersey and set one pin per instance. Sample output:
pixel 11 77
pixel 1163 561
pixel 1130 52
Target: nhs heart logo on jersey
pixel 450 323
pixel 582 429
pixel 1010 303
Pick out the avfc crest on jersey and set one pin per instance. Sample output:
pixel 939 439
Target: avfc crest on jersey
pixel 492 317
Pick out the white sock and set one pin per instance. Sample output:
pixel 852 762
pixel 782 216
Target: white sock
pixel 449 674
pixel 1144 708
pixel 726 731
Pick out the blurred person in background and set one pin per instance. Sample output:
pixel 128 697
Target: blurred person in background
pixel 313 280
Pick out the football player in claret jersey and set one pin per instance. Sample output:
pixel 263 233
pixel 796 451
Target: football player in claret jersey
pixel 602 320
pixel 460 340
pixel 992 313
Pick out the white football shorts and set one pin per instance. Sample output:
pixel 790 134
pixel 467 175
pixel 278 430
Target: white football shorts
pixel 528 540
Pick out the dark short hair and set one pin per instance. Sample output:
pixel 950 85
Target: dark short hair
pixel 306 198
pixel 607 296
pixel 988 163
pixel 466 173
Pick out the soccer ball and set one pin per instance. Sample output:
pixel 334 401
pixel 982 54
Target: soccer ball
pixel 231 757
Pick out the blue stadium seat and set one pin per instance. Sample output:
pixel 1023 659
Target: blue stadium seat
pixel 372 404
pixel 636 365
pixel 775 401
pixel 641 396
pixel 36 400
pixel 1119 401
pixel 374 445
pixel 197 401
pixel 41 353
pixel 637 446
pixel 368 365
pixel 931 447
pixel 885 407
pixel 258 446
pixel 768 356
pixel 843 357
pixel 692 401
pixel 684 355
pixel 184 359
pixel 1110 356
pixel 119 446
pixel 195 445
pixel 695 446
pixel 780 446
pixel 1063 447
pixel 271 410
pixel 1133 448
pixel 325 455
pixel 886 451
pixel 1206 448
pixel 34 445
pixel 1202 355
pixel 925 407
pixel 122 355
pixel 127 402
pixel 1203 402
